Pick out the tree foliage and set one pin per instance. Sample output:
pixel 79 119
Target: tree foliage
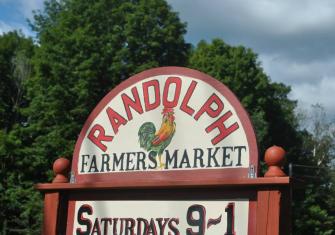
pixel 16 189
pixel 267 102
pixel 83 49
pixel 86 48
pixel 314 204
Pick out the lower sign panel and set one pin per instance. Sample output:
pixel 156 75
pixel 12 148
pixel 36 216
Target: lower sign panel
pixel 160 217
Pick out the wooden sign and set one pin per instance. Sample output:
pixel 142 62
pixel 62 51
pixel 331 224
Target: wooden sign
pixel 169 151
pixel 161 217
pixel 166 123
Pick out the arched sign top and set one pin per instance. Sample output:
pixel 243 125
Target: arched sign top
pixel 167 123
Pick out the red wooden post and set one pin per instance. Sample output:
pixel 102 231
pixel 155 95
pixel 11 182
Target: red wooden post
pixel 61 169
pixel 270 201
pixel 51 203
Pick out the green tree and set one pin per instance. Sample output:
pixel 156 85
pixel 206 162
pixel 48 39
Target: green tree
pixel 15 69
pixel 84 49
pixel 271 111
pixel 275 122
pixel 314 203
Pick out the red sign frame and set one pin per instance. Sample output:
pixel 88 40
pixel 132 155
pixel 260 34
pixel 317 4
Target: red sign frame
pixel 166 194
pixel 203 175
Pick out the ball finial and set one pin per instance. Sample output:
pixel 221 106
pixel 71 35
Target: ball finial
pixel 275 159
pixel 61 168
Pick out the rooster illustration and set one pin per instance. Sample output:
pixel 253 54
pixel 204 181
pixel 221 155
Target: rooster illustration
pixel 150 140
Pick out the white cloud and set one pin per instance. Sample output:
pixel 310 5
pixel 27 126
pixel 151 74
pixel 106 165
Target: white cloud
pixel 288 17
pixel 273 17
pixel 20 12
pixel 295 39
pixel 27 7
pixel 295 72
pixel 301 28
pixel 319 93
pixel 4 27
pixel 311 82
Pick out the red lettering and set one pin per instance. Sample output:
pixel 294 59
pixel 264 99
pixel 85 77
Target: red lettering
pixel 184 105
pixel 224 131
pixel 207 107
pixel 173 103
pixel 97 140
pixel 135 104
pixel 157 101
pixel 115 119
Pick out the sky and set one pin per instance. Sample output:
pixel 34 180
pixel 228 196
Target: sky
pixel 295 40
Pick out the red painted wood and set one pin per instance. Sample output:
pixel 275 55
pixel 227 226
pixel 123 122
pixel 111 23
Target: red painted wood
pixel 257 182
pixel 268 212
pixel 275 159
pixel 61 168
pixel 51 204
pixel 273 213
pixel 262 212
pixel 172 175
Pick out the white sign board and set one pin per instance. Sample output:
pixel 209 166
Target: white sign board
pixel 210 217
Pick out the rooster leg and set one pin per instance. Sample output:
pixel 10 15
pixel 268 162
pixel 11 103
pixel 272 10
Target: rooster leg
pixel 160 165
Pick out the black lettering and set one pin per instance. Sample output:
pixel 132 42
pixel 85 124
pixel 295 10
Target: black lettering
pixel 185 160
pixel 162 225
pixel 226 156
pixel 121 226
pixel 129 226
pixel 141 159
pixel 211 156
pixel 239 148
pixel 104 223
pixel 152 228
pixel 230 219
pixel 130 162
pixel 139 226
pixel 96 227
pixel 198 154
pixel 83 162
pixel 93 166
pixel 105 163
pixel 115 220
pixel 84 221
pixel 199 221
pixel 117 162
pixel 169 159
pixel 173 227
pixel 152 158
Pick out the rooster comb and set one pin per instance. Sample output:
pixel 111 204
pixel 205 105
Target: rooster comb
pixel 167 110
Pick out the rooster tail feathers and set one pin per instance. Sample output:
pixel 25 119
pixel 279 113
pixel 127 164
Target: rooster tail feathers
pixel 146 134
